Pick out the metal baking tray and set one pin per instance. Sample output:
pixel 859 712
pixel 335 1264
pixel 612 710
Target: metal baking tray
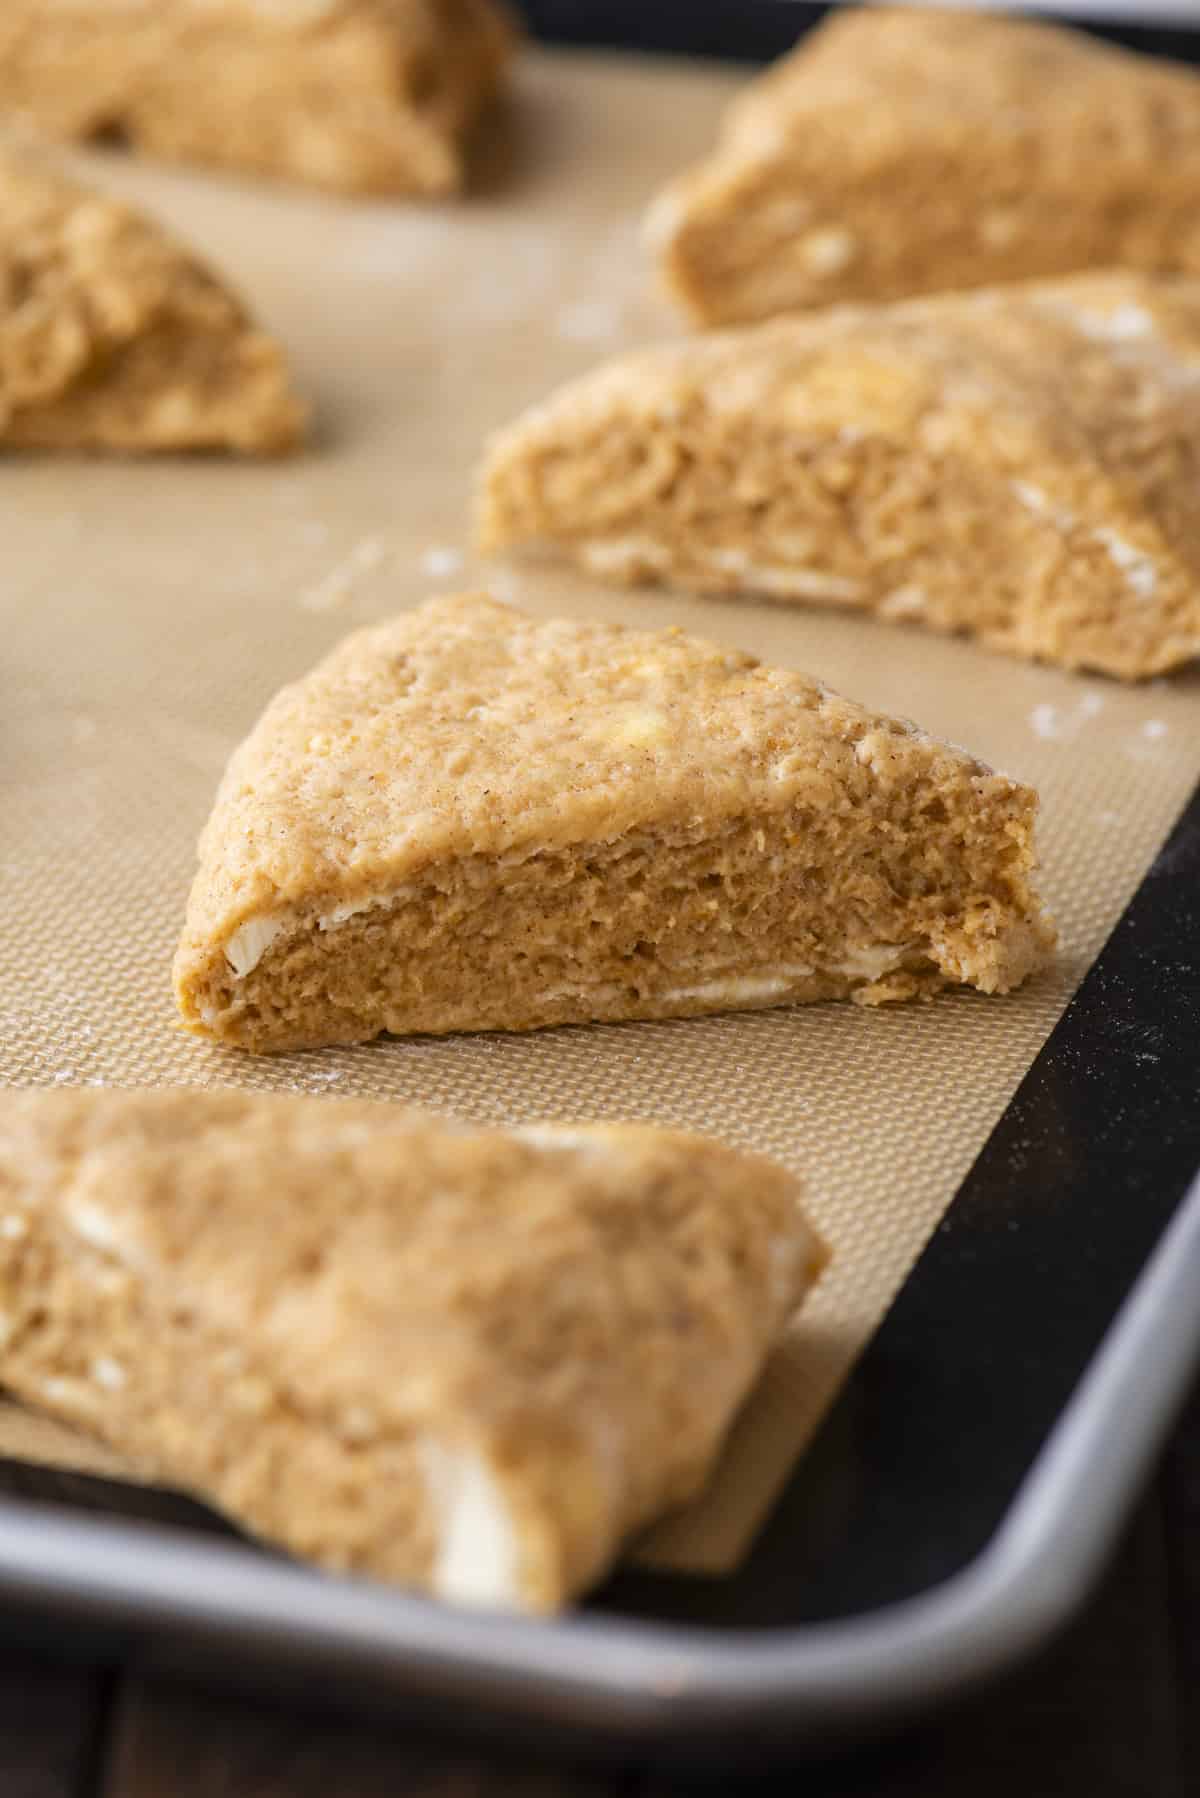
pixel 953 1512
pixel 752 30
pixel 962 1494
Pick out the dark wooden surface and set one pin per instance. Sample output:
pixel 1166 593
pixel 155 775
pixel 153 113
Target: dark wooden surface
pixel 1111 1711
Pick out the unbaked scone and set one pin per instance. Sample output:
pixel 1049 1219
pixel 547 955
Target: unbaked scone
pixel 471 819
pixel 468 1361
pixel 1018 463
pixel 898 151
pixel 363 96
pixel 113 336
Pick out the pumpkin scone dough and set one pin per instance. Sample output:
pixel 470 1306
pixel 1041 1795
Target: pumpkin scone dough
pixel 113 336
pixel 1018 463
pixel 897 151
pixel 468 1361
pixel 361 96
pixel 470 819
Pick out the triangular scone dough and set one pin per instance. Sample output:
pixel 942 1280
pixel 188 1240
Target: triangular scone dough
pixel 114 337
pixel 468 1361
pixel 470 819
pixel 900 152
pixel 1019 464
pixel 365 96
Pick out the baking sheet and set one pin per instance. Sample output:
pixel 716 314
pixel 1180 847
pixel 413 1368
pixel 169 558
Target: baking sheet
pixel 148 611
pixel 1127 12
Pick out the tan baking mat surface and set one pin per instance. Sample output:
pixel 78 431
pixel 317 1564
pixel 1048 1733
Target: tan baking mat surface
pixel 148 612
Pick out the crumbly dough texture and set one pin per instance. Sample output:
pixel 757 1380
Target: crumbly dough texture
pixel 470 819
pixel 362 96
pixel 1018 463
pixel 114 337
pixel 470 1362
pixel 900 152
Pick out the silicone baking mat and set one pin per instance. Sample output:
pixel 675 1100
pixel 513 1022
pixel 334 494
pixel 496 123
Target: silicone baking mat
pixel 149 611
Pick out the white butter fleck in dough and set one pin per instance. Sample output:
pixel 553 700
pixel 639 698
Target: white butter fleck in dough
pixel 638 727
pixel 909 601
pixel 1030 496
pixel 623 555
pixel 331 919
pixel 870 962
pixel 93 1226
pixel 247 946
pixel 1034 500
pixel 626 557
pixel 739 991
pixel 828 252
pixel 1139 569
pixel 788 583
pixel 477 1560
pixel 1122 325
pixel 249 943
